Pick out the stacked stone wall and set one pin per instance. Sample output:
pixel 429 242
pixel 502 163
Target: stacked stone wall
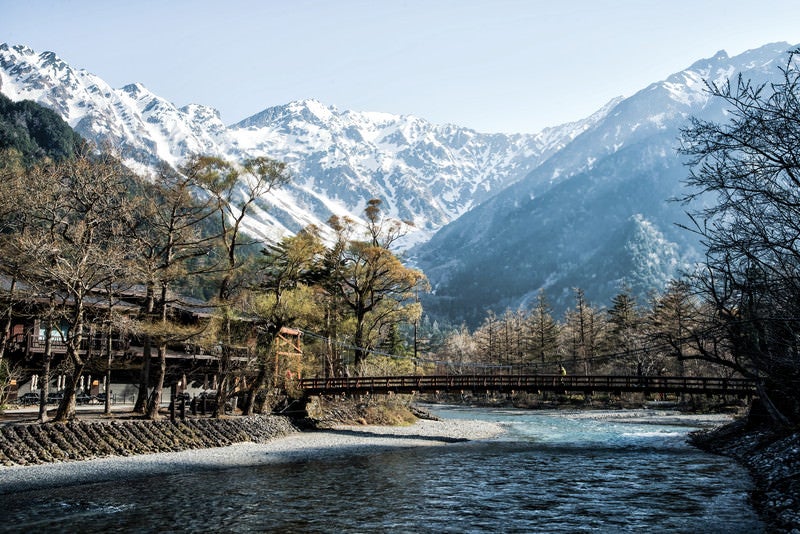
pixel 31 443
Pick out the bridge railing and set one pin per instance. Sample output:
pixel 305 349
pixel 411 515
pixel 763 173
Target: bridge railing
pixel 539 382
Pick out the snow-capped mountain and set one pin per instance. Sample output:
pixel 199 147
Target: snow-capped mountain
pixel 597 214
pixel 582 205
pixel 424 173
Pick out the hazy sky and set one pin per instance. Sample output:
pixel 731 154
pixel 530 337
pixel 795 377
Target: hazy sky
pixel 492 65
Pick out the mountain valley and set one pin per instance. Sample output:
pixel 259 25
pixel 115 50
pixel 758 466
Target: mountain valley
pixel 492 219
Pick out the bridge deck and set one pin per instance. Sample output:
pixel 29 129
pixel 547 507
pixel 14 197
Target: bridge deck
pixel 526 383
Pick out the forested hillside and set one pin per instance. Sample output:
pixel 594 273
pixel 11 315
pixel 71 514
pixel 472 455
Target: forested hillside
pixel 35 131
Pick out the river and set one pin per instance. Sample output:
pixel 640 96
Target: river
pixel 550 472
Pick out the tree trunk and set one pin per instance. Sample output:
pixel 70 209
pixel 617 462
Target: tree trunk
pixel 359 354
pixel 144 378
pixel 147 353
pixel 109 347
pixel 259 382
pixel 154 402
pixel 263 369
pixel 66 409
pixel 224 368
pixel 777 417
pixel 6 333
pixel 44 388
pixel 257 385
pixel 222 386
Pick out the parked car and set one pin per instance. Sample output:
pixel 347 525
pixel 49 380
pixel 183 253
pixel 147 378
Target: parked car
pixel 28 399
pixel 209 400
pixel 208 395
pixel 54 398
pixel 83 398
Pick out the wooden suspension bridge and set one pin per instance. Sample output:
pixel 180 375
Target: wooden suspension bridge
pixel 378 385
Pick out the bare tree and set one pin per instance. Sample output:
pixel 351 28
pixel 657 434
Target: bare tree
pixel 76 244
pixel 750 167
pixel 13 187
pixel 459 351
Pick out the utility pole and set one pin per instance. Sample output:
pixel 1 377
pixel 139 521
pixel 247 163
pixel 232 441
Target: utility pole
pixel 415 346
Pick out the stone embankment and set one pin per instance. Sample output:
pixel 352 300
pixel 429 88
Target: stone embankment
pixel 774 462
pixel 32 443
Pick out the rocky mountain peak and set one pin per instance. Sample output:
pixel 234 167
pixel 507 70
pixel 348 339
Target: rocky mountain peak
pixel 426 173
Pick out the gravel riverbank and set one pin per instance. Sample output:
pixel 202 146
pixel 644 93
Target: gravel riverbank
pixel 774 463
pixel 290 447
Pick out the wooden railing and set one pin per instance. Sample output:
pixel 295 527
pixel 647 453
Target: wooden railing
pixel 527 383
pixel 36 344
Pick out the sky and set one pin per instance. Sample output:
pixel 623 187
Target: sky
pixel 512 66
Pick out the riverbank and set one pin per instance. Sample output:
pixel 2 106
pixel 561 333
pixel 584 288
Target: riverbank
pixel 104 450
pixel 286 446
pixel 773 460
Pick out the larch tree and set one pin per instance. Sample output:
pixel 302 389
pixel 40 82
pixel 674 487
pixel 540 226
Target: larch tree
pixel 542 331
pixel 487 339
pixel 236 190
pixel 624 340
pixel 673 318
pixel 511 338
pixel 459 351
pixel 370 281
pixel 581 334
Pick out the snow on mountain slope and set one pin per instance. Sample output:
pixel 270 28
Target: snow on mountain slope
pixel 578 205
pixel 425 174
pixel 597 214
pixel 144 126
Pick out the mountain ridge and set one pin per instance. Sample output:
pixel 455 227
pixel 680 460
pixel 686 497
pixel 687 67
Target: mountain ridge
pixel 494 217
pixel 568 223
pixel 424 173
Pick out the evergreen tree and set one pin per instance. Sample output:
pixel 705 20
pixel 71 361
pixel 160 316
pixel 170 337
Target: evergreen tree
pixel 283 295
pixel 36 132
pixel 624 338
pixel 674 317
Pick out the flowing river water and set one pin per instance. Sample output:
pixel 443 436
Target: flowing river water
pixel 550 472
